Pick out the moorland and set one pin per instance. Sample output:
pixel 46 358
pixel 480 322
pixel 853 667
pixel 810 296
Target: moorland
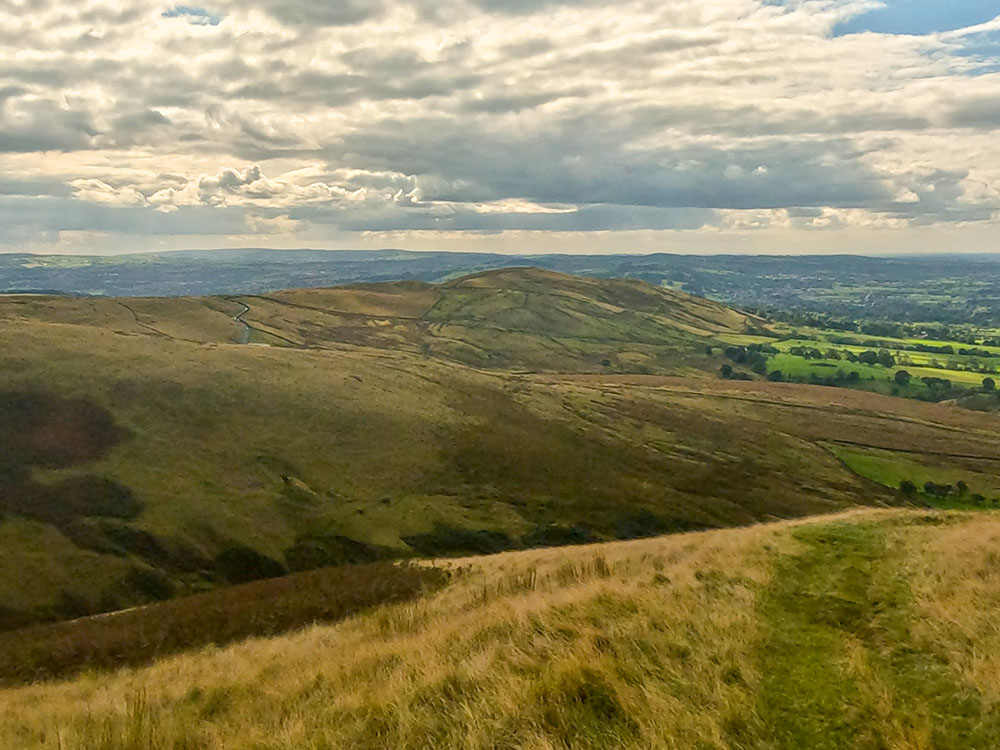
pixel 158 447
pixel 513 507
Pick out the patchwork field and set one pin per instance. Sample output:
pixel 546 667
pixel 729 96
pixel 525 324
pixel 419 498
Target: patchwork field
pixel 927 369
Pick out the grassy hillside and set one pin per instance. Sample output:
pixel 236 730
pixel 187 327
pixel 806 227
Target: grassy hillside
pixel 871 629
pixel 520 318
pixel 153 456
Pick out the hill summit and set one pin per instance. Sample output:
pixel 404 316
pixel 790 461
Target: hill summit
pixel 513 318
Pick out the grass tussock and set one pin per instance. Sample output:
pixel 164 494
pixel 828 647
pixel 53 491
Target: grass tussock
pixel 263 608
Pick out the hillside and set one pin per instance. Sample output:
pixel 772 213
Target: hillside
pixel 149 454
pixel 520 318
pixel 871 629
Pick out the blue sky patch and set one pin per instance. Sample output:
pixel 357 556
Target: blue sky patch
pixel 921 17
pixel 198 16
pixel 984 50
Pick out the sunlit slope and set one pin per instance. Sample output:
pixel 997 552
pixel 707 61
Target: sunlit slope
pixel 194 319
pixel 520 318
pixel 872 629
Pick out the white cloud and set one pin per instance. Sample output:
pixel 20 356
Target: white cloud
pixel 472 118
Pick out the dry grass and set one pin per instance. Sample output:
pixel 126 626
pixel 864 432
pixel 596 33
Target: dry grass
pixel 955 578
pixel 646 644
pixel 868 629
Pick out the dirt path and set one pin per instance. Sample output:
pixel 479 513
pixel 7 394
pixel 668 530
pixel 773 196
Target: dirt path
pixel 244 327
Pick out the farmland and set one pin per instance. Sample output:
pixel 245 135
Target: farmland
pixel 928 369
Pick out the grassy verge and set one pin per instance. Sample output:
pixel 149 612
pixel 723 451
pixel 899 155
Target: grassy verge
pixel 842 667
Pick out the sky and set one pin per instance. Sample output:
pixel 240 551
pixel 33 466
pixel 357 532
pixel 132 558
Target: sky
pixel 784 126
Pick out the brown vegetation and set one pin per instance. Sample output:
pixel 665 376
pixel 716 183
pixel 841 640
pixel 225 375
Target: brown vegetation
pixel 264 608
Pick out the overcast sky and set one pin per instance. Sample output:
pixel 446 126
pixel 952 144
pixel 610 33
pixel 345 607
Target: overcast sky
pixel 501 125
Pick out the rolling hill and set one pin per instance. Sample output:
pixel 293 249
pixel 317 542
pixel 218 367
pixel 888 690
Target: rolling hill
pixel 519 318
pixel 868 629
pixel 148 453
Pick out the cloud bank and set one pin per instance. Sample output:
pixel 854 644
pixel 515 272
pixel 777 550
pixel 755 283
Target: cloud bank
pixel 479 124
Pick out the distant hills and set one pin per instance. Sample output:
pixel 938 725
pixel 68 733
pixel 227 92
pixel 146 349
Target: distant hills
pixel 956 288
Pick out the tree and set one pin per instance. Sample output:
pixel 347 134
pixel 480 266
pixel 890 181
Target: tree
pixel 726 371
pixel 989 385
pixel 963 488
pixel 776 377
pixel 902 377
pixel 869 357
pixel 978 499
pixel 885 358
pixel 908 488
pixel 937 490
pixel 737 353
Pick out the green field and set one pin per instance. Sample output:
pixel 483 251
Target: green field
pixel 890 468
pixel 966 373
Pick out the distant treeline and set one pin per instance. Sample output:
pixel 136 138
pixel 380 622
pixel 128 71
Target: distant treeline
pixel 958 491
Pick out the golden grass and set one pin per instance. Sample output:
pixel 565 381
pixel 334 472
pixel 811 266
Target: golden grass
pixel 955 578
pixel 646 644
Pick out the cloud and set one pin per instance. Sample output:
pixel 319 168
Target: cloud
pixel 29 124
pixel 480 116
pixel 310 13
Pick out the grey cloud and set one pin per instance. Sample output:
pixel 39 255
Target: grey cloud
pixel 524 7
pixel 34 187
pixel 587 161
pixel 135 128
pixel 528 48
pixel 515 102
pixel 40 125
pixel 310 13
pixel 980 112
pixel 68 215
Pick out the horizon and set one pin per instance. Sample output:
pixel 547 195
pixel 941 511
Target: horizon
pixel 743 127
pixel 930 255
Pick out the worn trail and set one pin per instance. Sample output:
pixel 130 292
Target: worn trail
pixel 841 665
